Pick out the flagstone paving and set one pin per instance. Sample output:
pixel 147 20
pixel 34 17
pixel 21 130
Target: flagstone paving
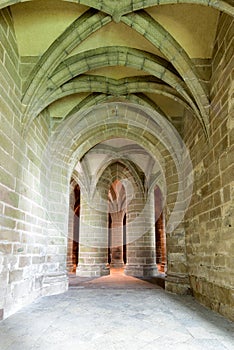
pixel 116 312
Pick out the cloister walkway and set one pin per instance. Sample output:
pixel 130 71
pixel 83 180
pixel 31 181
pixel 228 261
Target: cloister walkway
pixel 116 312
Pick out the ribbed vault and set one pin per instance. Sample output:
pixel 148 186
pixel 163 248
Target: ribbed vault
pixel 122 109
pixel 117 9
pixel 61 72
pixel 64 71
pixel 139 98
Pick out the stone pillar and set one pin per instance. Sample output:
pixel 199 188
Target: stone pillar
pixel 177 280
pixel 117 239
pixel 93 241
pixel 141 259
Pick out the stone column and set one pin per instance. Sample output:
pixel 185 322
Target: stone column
pixel 141 259
pixel 177 280
pixel 117 239
pixel 93 241
pixel 163 263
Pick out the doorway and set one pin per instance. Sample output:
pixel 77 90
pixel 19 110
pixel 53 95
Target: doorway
pixel 160 236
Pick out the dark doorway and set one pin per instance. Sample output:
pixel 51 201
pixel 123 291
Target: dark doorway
pixel 160 236
pixel 124 240
pixel 76 228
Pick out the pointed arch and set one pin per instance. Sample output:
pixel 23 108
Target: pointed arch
pixel 132 86
pixel 120 56
pixel 116 10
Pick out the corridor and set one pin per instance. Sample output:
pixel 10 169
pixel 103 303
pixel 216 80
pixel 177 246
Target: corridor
pixel 115 312
pixel 116 150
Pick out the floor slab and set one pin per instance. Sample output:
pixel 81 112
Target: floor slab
pixel 116 312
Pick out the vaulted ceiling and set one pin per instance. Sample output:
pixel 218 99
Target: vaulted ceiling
pixel 115 75
pixel 76 54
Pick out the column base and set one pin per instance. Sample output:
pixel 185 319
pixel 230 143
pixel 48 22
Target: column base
pixel 117 264
pixel 162 268
pixel 141 270
pixel 71 268
pixel 97 270
pixel 178 284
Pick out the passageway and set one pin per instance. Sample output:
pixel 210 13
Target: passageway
pixel 115 312
pixel 116 151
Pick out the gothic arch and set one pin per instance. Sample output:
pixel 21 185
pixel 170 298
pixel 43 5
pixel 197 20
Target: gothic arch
pixel 80 63
pixel 118 11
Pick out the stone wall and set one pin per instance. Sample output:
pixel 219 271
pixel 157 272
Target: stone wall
pixel 209 225
pixel 36 165
pixel 28 267
pixel 10 155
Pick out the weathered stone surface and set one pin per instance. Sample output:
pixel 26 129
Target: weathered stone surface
pixel 209 269
pixel 85 90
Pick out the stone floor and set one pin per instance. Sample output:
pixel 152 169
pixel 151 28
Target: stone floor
pixel 116 312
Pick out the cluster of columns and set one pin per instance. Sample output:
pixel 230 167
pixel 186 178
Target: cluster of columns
pixel 95 237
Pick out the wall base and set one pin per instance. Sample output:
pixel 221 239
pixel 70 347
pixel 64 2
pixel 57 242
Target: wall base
pixel 178 284
pixel 50 284
pixel 218 298
pixel 55 283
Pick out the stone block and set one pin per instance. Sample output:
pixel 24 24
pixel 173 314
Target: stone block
pixel 21 289
pixel 5 248
pixel 4 277
pixel 15 276
pixel 215 213
pixel 38 259
pixel 227 175
pixel 14 213
pixel 7 179
pixel 9 236
pixel 7 145
pixel 24 261
pixel 9 197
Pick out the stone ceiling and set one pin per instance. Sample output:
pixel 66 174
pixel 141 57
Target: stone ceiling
pixel 79 54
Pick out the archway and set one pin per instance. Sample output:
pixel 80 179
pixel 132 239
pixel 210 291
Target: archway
pixel 123 121
pixel 117 209
pixel 73 228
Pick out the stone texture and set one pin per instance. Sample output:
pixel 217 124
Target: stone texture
pixel 115 312
pixel 39 152
pixel 208 220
